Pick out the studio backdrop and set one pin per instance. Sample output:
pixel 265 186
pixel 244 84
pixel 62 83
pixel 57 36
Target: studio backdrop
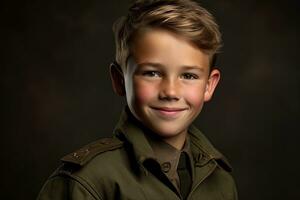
pixel 56 94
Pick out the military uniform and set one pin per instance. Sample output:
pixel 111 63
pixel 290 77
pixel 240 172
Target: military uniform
pixel 126 167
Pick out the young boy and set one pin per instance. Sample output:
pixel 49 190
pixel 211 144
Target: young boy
pixel 165 52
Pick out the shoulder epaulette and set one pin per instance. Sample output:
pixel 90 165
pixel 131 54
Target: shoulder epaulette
pixel 88 152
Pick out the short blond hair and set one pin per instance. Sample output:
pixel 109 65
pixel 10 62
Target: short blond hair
pixel 183 17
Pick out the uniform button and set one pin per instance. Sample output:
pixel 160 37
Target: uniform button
pixel 166 166
pixel 80 153
pixel 75 155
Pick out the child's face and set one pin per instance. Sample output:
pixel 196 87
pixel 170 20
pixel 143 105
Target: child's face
pixel 167 80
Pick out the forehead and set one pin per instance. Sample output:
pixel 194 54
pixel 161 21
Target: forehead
pixel 167 48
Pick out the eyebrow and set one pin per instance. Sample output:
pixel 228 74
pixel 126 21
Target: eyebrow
pixel 188 67
pixel 150 64
pixel 185 67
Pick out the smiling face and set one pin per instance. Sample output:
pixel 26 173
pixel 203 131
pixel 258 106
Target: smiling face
pixel 167 80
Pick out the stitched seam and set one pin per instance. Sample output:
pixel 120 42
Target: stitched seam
pixel 202 149
pixel 85 184
pixel 88 186
pixel 205 177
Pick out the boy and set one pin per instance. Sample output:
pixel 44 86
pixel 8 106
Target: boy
pixel 165 52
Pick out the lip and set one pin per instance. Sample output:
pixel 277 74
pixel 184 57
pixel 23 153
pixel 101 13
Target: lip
pixel 168 111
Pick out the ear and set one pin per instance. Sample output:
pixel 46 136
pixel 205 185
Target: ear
pixel 211 84
pixel 117 79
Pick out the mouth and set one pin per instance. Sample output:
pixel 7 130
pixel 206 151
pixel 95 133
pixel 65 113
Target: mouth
pixel 170 112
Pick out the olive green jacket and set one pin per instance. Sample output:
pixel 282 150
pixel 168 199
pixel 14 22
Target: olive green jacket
pixel 124 167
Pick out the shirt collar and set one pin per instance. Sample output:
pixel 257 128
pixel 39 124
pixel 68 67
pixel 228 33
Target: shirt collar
pixel 165 152
pixel 133 131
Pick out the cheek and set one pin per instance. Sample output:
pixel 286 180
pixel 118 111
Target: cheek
pixel 195 96
pixel 144 92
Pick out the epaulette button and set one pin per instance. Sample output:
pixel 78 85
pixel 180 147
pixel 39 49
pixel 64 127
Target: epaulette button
pixel 75 155
pixel 81 153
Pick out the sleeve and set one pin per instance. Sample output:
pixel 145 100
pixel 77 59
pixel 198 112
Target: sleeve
pixel 230 189
pixel 61 188
pixel 227 185
pixel 234 191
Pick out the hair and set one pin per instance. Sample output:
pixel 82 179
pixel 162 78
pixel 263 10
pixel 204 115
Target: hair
pixel 183 17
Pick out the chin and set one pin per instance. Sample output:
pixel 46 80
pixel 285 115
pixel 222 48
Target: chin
pixel 168 132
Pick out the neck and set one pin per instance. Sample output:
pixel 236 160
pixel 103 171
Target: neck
pixel 176 141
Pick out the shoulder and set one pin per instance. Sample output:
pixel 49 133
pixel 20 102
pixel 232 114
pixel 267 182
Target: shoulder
pixel 201 143
pixel 79 174
pixel 99 159
pixel 62 187
pixel 95 155
pixel 224 181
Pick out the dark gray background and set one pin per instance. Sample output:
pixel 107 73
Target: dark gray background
pixel 56 94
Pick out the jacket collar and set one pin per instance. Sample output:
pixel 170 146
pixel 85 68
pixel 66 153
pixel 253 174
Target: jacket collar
pixel 204 151
pixel 133 132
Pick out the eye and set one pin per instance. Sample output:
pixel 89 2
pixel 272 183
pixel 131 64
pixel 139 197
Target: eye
pixel 151 73
pixel 189 76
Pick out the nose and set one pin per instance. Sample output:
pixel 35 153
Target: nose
pixel 170 90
